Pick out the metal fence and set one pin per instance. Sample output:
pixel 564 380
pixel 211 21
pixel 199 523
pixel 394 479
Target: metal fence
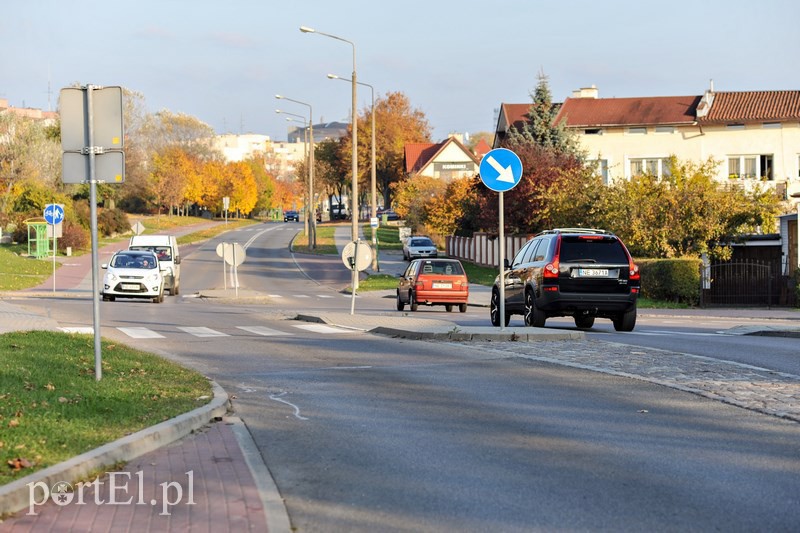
pixel 742 283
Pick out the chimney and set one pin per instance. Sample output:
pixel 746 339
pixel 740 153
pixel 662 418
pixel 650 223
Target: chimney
pixel 586 92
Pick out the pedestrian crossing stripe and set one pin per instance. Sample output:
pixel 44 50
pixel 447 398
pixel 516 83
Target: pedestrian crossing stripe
pixel 275 295
pixel 145 333
pixel 262 330
pixel 141 333
pixel 202 332
pixel 80 329
pixel 324 296
pixel 302 296
pixel 321 328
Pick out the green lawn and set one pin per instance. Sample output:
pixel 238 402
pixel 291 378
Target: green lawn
pixel 52 408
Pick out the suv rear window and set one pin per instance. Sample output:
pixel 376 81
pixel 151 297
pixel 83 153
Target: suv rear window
pixel 608 250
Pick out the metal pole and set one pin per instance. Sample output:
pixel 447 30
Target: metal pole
pixel 375 265
pixel 98 367
pixel 312 211
pixel 502 236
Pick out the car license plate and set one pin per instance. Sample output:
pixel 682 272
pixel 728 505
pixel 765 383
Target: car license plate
pixel 129 286
pixel 593 272
pixel 440 285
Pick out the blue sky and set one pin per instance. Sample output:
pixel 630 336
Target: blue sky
pixel 456 61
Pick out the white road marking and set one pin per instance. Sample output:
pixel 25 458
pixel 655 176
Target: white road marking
pixel 324 296
pixel 277 398
pixel 302 296
pixel 321 328
pixel 275 295
pixel 79 329
pixel 203 332
pixel 141 333
pixel 262 330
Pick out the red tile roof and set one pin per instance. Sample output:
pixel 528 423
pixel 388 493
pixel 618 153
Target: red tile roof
pixel 758 106
pixel 482 148
pixel 598 112
pixel 418 154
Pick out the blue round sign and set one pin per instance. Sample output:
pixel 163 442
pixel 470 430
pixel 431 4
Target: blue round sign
pixel 53 213
pixel 501 169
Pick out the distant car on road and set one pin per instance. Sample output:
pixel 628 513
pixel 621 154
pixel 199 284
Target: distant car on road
pixel 291 215
pixel 419 246
pixel 389 213
pixel 433 282
pixel 133 274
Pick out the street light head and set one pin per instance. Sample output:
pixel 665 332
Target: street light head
pixel 306 29
pixel 333 76
pixel 278 111
pixel 279 97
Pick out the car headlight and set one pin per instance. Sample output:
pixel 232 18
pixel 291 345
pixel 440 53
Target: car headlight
pixel 111 277
pixel 152 277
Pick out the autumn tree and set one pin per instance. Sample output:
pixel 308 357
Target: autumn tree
pixel 686 212
pixel 454 208
pixel 414 198
pixel 265 182
pixel 397 123
pixel 30 155
pixel 240 186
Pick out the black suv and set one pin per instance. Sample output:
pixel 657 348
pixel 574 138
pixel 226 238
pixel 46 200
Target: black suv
pixel 577 272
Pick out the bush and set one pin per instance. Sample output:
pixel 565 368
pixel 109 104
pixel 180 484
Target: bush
pixel 74 236
pixel 671 280
pixel 112 222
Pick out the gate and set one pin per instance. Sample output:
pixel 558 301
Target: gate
pixel 740 283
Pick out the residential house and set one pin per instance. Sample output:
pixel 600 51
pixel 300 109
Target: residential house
pixel 754 135
pixel 447 160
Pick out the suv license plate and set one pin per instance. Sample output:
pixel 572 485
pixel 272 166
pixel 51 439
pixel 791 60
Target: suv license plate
pixel 129 287
pixel 593 272
pixel 442 285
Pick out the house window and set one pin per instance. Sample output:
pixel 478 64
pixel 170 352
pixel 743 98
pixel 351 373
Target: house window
pixel 750 167
pixel 593 131
pixel 665 129
pixel 654 166
pixel 600 167
pixel 771 125
pixel 637 130
pixel 735 126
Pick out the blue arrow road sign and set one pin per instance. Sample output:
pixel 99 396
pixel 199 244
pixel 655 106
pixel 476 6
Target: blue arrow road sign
pixel 53 213
pixel 501 169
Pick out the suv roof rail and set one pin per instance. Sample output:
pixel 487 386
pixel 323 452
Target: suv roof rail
pixel 577 230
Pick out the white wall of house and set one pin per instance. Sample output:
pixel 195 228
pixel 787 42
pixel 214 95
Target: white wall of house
pixel 620 147
pixel 450 163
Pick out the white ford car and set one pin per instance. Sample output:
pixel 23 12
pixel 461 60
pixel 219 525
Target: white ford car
pixel 133 274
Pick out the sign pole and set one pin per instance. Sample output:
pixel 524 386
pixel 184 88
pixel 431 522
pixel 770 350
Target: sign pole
pixel 355 280
pixel 502 237
pixel 98 367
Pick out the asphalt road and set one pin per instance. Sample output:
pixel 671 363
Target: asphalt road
pixel 367 433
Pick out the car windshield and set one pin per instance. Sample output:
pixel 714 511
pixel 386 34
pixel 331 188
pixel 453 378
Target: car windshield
pixel 421 242
pixel 133 261
pixel 447 268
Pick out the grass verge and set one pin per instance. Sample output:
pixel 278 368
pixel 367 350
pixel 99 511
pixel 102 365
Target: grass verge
pixel 53 409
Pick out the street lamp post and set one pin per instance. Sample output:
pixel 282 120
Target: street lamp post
pixel 311 214
pixel 302 120
pixel 373 184
pixel 354 203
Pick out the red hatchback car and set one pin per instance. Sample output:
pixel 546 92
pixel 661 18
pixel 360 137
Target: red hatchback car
pixel 433 282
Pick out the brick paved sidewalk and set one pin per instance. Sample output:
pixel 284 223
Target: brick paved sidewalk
pixel 199 483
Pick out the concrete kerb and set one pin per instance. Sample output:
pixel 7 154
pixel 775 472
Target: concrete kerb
pixel 15 496
pixel 442 330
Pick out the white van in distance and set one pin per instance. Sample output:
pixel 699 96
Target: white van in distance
pixel 166 248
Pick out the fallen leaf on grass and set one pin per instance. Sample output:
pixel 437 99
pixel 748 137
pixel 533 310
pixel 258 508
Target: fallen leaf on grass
pixel 19 463
pixel 13 423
